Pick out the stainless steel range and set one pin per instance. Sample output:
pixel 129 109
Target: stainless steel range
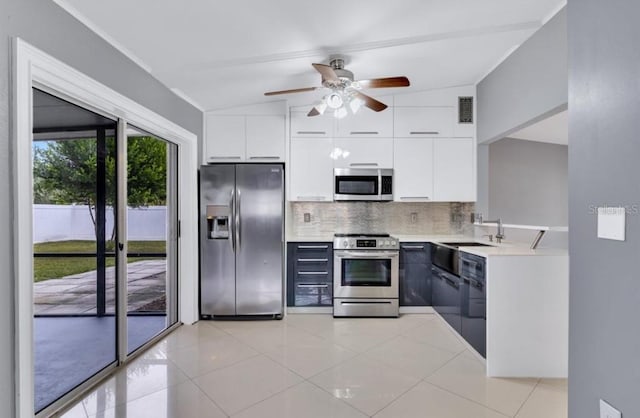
pixel 366 271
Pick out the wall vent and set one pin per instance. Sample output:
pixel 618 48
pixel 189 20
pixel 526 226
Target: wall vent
pixel 465 109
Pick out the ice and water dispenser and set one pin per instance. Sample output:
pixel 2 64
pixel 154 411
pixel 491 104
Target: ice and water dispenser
pixel 218 222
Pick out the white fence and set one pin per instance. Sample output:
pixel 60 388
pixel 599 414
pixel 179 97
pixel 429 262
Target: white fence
pixel 73 222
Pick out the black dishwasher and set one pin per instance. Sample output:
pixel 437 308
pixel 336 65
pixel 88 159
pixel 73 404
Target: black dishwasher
pixel 446 285
pixel 474 301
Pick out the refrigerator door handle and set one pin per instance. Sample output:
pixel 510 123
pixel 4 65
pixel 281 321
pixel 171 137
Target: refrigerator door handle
pixel 232 204
pixel 237 211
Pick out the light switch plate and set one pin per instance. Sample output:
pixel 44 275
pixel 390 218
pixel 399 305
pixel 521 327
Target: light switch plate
pixel 611 223
pixel 608 411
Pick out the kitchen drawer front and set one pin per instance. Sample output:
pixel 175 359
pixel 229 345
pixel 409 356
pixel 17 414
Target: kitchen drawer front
pixel 305 264
pixel 313 250
pixel 313 294
pixel 415 253
pixel 472 266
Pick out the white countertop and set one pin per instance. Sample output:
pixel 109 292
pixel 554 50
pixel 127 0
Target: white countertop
pixel 495 249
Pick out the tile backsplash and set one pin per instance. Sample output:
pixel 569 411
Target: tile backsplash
pixel 398 218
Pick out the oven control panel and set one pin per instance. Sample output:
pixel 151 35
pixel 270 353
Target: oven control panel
pixel 348 243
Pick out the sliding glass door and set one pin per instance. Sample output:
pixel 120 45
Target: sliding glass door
pixel 88 296
pixel 152 236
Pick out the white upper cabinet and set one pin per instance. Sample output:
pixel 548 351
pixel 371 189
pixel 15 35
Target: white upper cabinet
pixel 413 170
pixel 366 123
pixel 311 170
pixel 225 138
pixel 454 168
pixel 415 122
pixel 265 138
pixel 364 152
pixel 311 126
pixel 235 138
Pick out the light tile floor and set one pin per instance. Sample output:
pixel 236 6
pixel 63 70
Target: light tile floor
pixel 318 367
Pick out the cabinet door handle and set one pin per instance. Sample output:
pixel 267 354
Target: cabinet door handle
pixel 313 247
pixel 321 286
pixel 311 132
pixel 313 198
pixel 313 273
pixel 313 260
pixel 363 133
pixel 229 157
pixel 412 247
pixel 424 133
pixel 266 157
pixel 414 197
pixel 363 164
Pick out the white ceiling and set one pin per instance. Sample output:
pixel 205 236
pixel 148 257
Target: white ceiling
pixel 554 130
pixel 222 54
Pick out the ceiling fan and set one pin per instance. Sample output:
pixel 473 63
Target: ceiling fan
pixel 345 91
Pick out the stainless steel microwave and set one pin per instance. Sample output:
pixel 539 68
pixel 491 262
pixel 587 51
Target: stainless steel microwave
pixel 363 184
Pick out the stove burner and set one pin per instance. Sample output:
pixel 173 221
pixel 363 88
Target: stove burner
pixel 361 235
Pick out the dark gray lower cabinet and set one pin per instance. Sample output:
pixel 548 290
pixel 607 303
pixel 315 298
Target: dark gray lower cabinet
pixel 309 274
pixel 474 302
pixel 447 297
pixel 415 274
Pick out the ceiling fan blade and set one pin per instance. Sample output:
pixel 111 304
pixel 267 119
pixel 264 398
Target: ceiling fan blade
pixel 328 74
pixel 376 83
pixel 370 102
pixel 313 112
pixel 302 90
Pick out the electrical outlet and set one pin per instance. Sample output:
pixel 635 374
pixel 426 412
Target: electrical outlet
pixel 307 217
pixel 414 217
pixel 608 411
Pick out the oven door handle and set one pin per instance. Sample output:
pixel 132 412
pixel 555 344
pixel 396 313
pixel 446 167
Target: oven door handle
pixel 366 254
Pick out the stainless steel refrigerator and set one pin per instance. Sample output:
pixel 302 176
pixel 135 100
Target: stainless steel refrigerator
pixel 242 239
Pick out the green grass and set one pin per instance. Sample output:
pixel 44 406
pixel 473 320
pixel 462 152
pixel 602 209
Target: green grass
pixel 46 268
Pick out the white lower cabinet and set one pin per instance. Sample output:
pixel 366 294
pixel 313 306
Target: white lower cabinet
pixel 454 170
pixel 413 170
pixel 311 170
pixel 363 152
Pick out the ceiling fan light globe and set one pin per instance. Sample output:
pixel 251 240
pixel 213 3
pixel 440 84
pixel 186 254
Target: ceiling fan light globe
pixel 334 100
pixel 355 105
pixel 321 107
pixel 340 113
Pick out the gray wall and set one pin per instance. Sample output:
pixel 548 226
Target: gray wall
pixel 528 185
pixel 604 98
pixel 528 86
pixel 528 182
pixel 49 28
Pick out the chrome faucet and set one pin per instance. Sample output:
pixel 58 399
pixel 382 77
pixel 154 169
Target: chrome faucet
pixel 500 233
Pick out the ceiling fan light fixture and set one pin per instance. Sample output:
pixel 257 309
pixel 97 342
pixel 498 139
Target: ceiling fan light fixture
pixel 340 112
pixel 334 100
pixel 321 107
pixel 355 105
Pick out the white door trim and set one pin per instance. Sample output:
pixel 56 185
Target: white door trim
pixel 33 67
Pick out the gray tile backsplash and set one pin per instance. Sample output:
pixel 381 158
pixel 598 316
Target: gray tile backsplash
pixel 430 218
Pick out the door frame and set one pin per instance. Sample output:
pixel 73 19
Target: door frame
pixel 32 67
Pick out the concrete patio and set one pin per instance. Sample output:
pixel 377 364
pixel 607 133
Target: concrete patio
pixel 76 294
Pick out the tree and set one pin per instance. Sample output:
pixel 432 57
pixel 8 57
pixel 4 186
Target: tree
pixel 65 171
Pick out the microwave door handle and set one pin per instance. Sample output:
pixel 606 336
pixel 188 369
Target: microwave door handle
pixel 379 183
